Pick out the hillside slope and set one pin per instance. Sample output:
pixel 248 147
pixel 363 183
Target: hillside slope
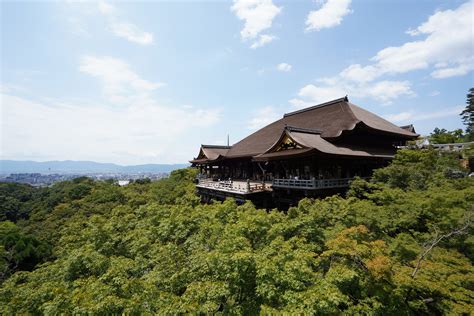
pixel 93 247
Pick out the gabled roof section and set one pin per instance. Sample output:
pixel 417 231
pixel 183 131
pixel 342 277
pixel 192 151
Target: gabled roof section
pixel 285 142
pixel 331 119
pixel 213 152
pixel 318 143
pixel 286 139
pixel 313 142
pixel 378 123
pixel 409 128
pixel 209 153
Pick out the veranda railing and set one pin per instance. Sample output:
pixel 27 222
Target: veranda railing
pixel 311 184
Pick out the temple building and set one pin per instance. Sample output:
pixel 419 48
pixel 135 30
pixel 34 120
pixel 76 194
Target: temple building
pixel 311 152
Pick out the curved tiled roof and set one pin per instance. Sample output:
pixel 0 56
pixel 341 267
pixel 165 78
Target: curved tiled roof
pixel 209 153
pixel 317 142
pixel 331 118
pixel 313 142
pixel 410 128
pixel 213 152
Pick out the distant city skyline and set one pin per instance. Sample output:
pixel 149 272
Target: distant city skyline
pixel 148 82
pixel 74 166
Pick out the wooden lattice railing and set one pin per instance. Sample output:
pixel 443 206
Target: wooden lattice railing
pixel 230 186
pixel 311 184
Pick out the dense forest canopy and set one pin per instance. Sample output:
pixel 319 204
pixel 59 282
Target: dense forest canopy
pixel 399 244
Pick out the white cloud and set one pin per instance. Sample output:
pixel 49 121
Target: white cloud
pixel 119 82
pixel 329 15
pixel 447 46
pixel 360 74
pixel 258 16
pixel 262 117
pixel 461 69
pixel 412 32
pixel 315 95
pixel 412 116
pixel 106 8
pixel 284 67
pixel 300 104
pixel 399 117
pixel 123 29
pixel 139 130
pixel 132 33
pixel 134 134
pixel 384 91
pixel 434 93
pixel 263 40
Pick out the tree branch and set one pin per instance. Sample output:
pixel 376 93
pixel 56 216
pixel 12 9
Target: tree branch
pixel 458 231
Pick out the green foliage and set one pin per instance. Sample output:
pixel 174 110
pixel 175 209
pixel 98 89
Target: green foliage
pixel 19 251
pixel 417 169
pixel 177 189
pixel 151 248
pixel 468 115
pixel 15 201
pixel 442 136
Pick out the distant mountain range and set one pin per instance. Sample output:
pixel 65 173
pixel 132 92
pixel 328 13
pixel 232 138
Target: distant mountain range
pixel 79 167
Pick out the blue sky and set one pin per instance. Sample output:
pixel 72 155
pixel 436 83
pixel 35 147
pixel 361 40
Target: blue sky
pixel 148 82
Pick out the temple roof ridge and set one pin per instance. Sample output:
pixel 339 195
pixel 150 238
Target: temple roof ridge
pixel 216 146
pixel 335 101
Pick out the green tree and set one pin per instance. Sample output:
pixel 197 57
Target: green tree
pixel 442 136
pixel 16 201
pixel 417 169
pixel 468 114
pixel 19 251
